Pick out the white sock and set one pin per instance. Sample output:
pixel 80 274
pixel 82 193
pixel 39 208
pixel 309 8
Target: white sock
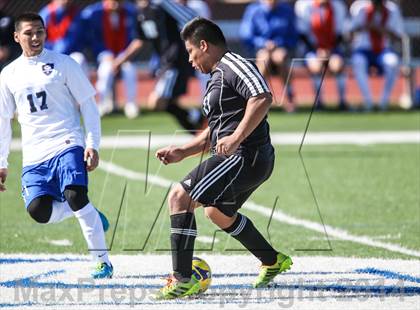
pixel 60 211
pixel 360 71
pixel 391 73
pixel 92 230
pixel 129 75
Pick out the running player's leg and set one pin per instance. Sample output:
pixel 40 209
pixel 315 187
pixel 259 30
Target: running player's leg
pixel 183 232
pixel 224 195
pixel 72 176
pixel 45 210
pixel 42 196
pixel 172 83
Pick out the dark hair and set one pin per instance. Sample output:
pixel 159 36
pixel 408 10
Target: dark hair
pixel 27 17
pixel 199 29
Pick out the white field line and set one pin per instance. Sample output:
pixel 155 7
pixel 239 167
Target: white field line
pixel 293 138
pixel 277 214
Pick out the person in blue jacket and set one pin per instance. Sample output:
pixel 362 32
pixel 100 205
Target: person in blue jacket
pixel 65 33
pixel 110 27
pixel 268 29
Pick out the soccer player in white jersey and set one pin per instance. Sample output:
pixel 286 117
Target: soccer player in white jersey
pixel 50 92
pixel 375 23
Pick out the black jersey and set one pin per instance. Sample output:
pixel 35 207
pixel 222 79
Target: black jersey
pixel 232 83
pixel 149 25
pixel 160 24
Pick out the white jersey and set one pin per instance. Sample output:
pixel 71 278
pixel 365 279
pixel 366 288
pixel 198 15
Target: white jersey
pixel 305 9
pixel 359 17
pixel 46 91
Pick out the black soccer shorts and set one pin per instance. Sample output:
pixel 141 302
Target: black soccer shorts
pixel 227 182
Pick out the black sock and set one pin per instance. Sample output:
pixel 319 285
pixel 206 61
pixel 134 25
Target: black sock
pixel 181 115
pixel 183 233
pixel 245 232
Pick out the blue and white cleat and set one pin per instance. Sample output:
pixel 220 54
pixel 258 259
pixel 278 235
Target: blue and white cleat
pixel 102 271
pixel 104 220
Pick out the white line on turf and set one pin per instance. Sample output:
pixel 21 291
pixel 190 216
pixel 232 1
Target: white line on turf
pixel 292 138
pixel 277 214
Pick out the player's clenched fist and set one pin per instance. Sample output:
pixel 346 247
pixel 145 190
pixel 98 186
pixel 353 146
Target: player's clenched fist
pixel 91 158
pixel 170 154
pixel 3 176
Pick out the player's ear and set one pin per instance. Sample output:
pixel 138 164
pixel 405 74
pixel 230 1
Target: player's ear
pixel 203 45
pixel 16 37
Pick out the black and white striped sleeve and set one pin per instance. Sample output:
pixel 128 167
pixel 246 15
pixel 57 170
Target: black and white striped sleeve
pixel 181 13
pixel 246 80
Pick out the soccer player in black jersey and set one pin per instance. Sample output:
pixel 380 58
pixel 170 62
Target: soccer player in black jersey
pixel 159 23
pixel 236 104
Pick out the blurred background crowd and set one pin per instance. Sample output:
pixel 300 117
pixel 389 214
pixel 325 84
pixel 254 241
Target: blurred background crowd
pixel 367 50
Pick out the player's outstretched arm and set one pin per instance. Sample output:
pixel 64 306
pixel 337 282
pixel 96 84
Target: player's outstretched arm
pixel 5 140
pixel 173 154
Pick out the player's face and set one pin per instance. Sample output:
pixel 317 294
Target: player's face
pixel 198 56
pixel 31 37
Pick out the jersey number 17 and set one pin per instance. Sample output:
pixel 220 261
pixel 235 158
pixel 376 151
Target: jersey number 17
pixel 43 96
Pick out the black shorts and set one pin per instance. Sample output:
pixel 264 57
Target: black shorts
pixel 227 182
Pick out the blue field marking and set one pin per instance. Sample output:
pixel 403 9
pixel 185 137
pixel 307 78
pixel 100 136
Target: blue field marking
pixel 239 275
pixel 389 274
pixel 220 292
pixel 25 304
pixel 371 289
pixel 40 260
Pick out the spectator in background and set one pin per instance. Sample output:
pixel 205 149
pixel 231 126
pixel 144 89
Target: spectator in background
pixel 9 49
pixel 64 30
pixel 160 24
pixel 374 24
pixel 110 27
pixel 202 10
pixel 320 25
pixel 268 28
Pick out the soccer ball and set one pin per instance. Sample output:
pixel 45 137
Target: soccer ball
pixel 202 272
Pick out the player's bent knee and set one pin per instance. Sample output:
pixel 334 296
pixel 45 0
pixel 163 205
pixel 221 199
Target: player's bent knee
pixel 40 209
pixel 76 196
pixel 218 218
pixel 179 200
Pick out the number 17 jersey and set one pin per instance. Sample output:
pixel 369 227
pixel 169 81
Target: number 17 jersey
pixel 46 91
